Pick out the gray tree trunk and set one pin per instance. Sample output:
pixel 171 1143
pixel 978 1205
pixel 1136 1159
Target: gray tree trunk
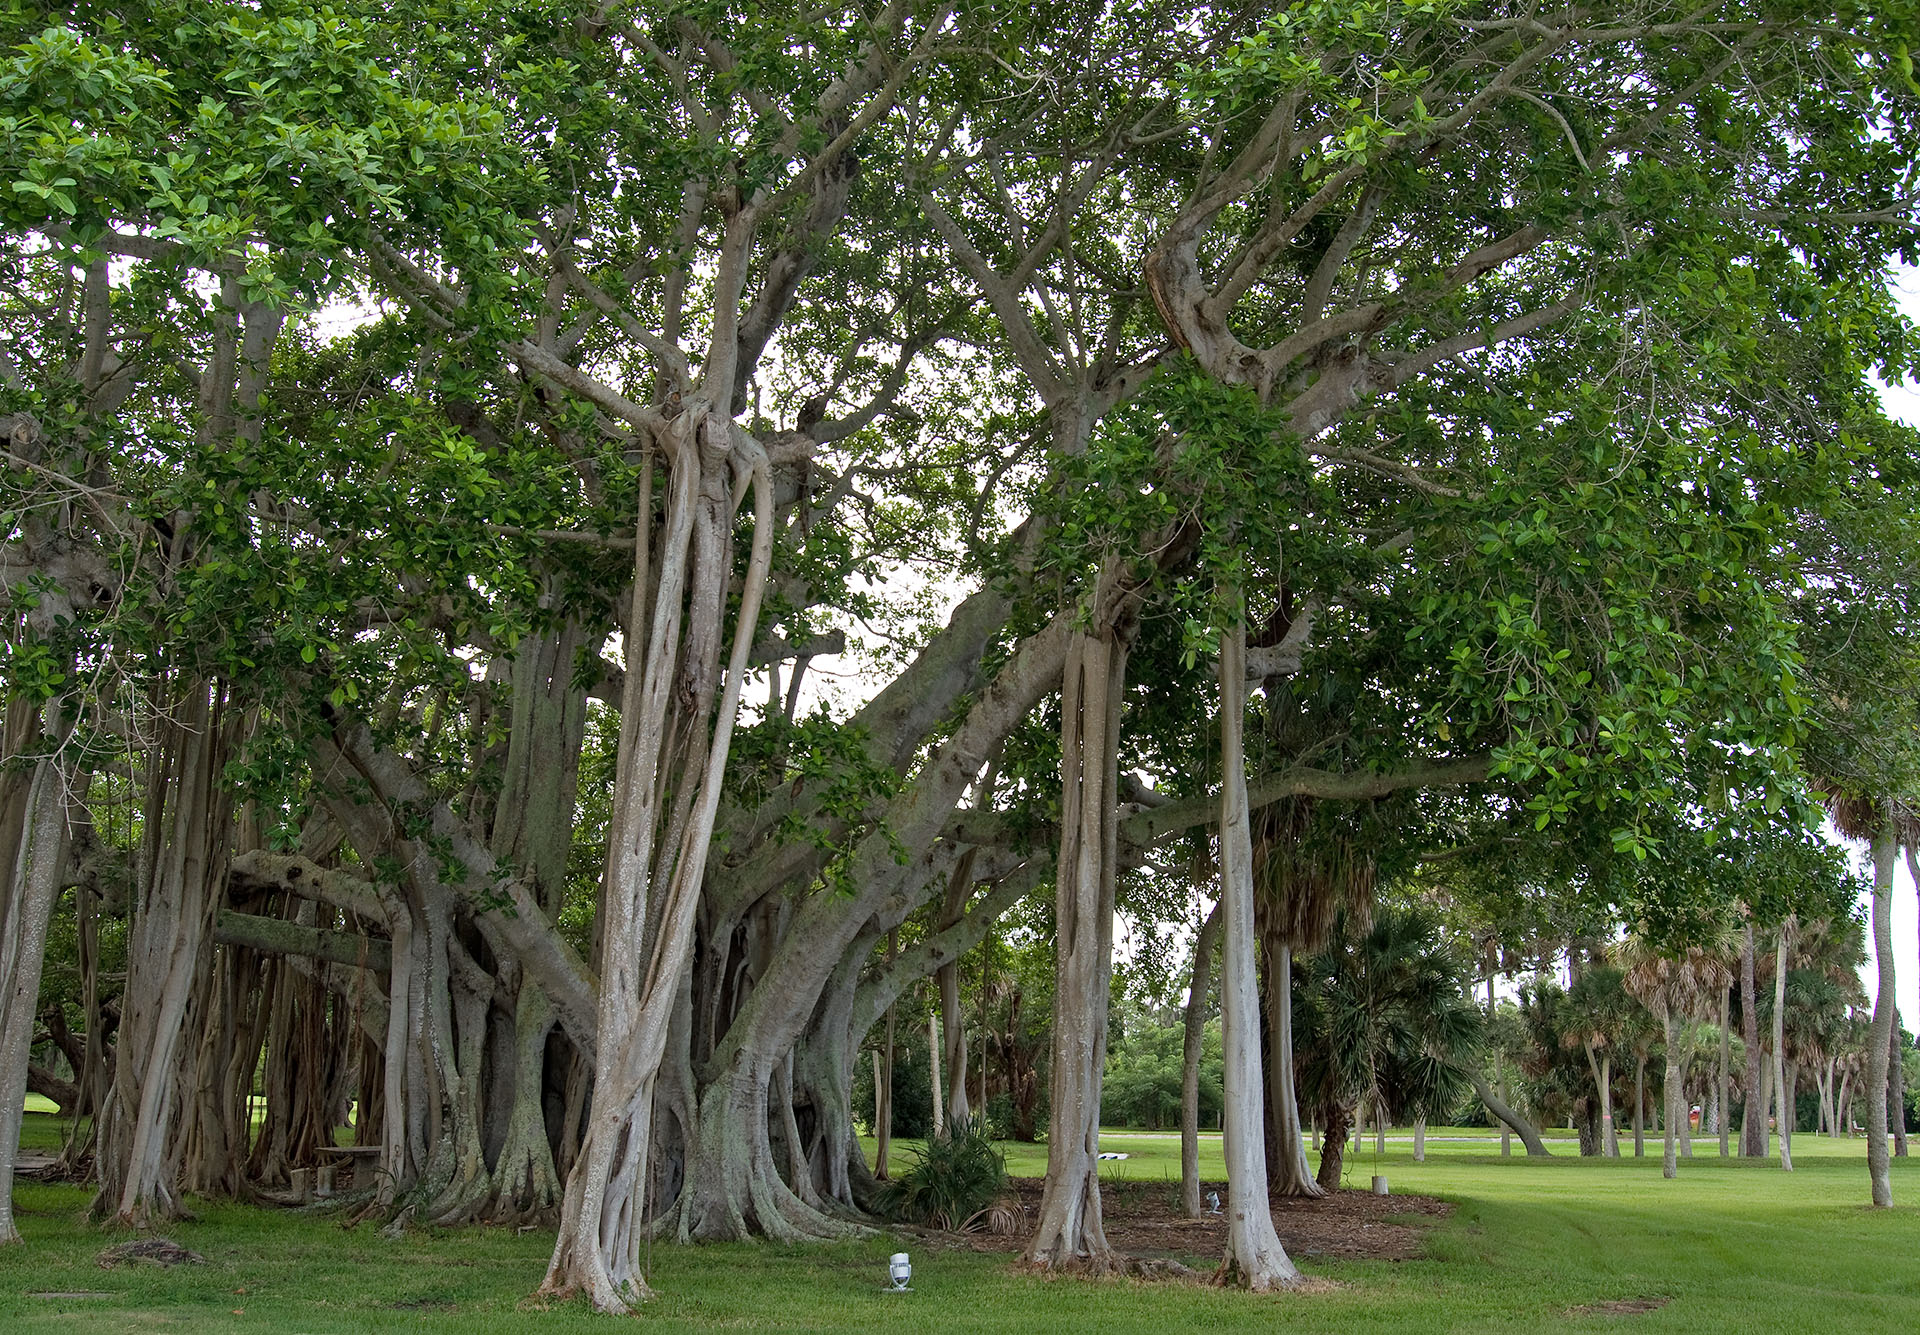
pixel 1519 1125
pixel 1673 1098
pixel 1880 1034
pixel 183 867
pixel 1723 1074
pixel 1896 1088
pixel 1255 1257
pixel 934 1044
pixel 1753 1121
pixel 1784 1121
pixel 1069 1230
pixel 1291 1175
pixel 33 831
pixel 1639 1105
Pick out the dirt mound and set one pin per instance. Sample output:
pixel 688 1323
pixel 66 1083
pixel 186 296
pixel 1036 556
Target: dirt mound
pixel 1619 1307
pixel 151 1251
pixel 1144 1219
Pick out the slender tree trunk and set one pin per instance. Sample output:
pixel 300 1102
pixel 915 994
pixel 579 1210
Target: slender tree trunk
pixel 1880 1034
pixel 882 1109
pixel 1753 1121
pixel 1722 1076
pixel 1069 1230
pixel 1191 1043
pixel 883 1084
pixel 1601 1064
pixel 1780 1081
pixel 1420 1138
pixel 1639 1105
pixel 33 829
pixel 953 1028
pixel 1896 1089
pixel 1290 1174
pixel 1254 1257
pixel 1674 1111
pixel 1843 1107
pixel 1790 1114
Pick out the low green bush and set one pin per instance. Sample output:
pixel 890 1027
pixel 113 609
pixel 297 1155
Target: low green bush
pixel 951 1179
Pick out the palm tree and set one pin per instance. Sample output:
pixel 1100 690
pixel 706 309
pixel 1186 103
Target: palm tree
pixel 1383 1016
pixel 1676 987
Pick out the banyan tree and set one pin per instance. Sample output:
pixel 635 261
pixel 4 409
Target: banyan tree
pixel 527 558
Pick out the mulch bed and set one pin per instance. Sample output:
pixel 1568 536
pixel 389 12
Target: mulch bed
pixel 1144 1219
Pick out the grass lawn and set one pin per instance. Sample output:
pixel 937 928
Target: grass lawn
pixel 1731 1246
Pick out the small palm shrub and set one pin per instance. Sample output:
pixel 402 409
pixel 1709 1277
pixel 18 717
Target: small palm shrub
pixel 955 1177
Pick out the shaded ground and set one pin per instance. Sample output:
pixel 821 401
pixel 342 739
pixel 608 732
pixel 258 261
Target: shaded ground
pixel 1144 1219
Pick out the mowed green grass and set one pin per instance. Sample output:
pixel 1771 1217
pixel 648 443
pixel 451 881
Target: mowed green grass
pixel 1731 1246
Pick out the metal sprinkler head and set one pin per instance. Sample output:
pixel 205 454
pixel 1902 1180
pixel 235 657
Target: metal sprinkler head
pixel 899 1270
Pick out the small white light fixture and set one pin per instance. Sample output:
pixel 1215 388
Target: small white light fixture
pixel 899 1270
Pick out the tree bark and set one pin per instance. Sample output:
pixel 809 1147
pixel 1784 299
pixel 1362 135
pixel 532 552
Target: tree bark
pixel 1191 1044
pixel 1880 1033
pixel 1333 1145
pixel 1255 1258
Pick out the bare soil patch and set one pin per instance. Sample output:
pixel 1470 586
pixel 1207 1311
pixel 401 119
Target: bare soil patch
pixel 1620 1307
pixel 1144 1219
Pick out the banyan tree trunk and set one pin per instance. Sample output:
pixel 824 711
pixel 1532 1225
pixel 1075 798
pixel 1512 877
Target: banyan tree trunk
pixel 1191 1043
pixel 1069 1230
pixel 676 727
pixel 1254 1256
pixel 33 835
pixel 182 872
pixel 525 1187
